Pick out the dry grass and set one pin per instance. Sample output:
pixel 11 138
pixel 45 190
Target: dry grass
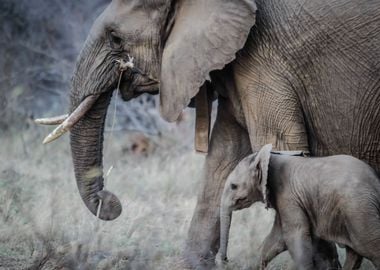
pixel 44 224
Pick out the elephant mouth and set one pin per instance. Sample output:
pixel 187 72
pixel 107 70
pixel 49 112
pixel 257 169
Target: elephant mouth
pixel 137 85
pixel 150 87
pixel 144 83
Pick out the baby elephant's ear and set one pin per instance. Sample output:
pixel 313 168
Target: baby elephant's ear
pixel 261 165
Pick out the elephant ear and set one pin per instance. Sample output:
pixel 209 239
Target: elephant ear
pixel 259 167
pixel 205 36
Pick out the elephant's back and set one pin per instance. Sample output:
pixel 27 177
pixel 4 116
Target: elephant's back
pixel 345 167
pixel 342 174
pixel 332 190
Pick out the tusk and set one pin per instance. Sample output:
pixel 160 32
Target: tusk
pixel 72 119
pixel 56 120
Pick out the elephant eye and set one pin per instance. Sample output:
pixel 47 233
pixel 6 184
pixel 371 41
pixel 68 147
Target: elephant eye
pixel 115 40
pixel 233 186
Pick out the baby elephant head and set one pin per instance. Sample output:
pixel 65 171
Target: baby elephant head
pixel 245 185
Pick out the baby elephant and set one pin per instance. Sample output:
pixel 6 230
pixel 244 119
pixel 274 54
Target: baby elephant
pixel 335 199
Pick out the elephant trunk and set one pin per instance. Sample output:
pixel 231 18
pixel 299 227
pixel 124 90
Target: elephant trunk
pixel 86 137
pixel 225 223
pixel 86 141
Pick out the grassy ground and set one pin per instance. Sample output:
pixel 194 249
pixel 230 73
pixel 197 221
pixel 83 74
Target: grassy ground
pixel 44 224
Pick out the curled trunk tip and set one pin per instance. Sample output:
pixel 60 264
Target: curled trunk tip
pixel 110 207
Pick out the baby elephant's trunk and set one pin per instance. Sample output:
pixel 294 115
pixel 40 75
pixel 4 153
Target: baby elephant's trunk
pixel 225 223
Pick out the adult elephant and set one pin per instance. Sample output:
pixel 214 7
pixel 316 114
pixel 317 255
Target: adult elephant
pixel 301 75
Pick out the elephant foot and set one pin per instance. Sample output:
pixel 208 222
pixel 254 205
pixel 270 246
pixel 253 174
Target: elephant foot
pixel 203 238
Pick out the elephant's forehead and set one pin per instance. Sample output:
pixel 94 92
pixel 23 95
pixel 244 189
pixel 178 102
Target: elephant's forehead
pixel 153 4
pixel 241 172
pixel 150 9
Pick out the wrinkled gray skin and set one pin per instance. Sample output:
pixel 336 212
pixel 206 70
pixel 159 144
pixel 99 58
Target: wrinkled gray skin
pixel 334 198
pixel 302 75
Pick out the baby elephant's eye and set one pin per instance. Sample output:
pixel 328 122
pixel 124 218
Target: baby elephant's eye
pixel 233 186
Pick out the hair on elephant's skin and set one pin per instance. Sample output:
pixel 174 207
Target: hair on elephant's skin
pixel 334 199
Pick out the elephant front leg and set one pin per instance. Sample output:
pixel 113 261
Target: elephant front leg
pixel 229 144
pixel 273 245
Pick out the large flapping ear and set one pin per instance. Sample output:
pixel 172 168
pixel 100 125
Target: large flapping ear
pixel 261 166
pixel 205 36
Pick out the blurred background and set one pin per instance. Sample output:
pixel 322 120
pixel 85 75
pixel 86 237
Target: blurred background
pixel 156 173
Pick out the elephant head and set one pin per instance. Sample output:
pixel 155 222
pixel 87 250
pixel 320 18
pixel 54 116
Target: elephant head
pixel 174 44
pixel 246 184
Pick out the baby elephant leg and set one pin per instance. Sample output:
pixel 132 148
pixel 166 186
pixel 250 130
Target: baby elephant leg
pixel 297 236
pixel 273 245
pixel 325 255
pixel 353 260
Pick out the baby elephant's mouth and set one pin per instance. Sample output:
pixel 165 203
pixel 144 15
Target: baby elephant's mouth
pixel 242 203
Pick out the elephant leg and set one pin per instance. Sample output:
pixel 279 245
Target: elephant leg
pixel 297 236
pixel 325 255
pixel 228 145
pixel 353 260
pixel 273 245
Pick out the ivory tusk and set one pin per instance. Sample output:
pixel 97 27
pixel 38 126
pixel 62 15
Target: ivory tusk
pixel 58 132
pixel 56 120
pixel 72 119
